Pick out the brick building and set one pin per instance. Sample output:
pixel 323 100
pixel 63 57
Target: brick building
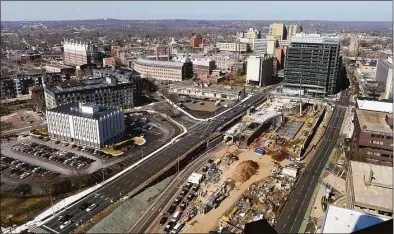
pixel 203 67
pixel 372 139
pixel 196 41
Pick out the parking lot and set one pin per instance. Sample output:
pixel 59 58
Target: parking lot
pixel 53 158
pixel 45 152
pixel 204 108
pixel 21 170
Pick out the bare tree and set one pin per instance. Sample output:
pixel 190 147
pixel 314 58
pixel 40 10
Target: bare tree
pixel 79 178
pixel 46 185
pixel 173 97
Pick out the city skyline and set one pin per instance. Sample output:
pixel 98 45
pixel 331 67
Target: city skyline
pixel 62 10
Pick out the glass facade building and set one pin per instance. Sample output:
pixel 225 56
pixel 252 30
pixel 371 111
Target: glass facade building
pixel 314 64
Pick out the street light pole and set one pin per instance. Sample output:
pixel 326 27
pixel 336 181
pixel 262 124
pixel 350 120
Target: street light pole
pixel 142 152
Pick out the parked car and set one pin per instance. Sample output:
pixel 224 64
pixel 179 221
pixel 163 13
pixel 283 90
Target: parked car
pixel 163 220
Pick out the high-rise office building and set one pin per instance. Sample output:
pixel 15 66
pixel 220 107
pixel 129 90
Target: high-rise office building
pixel 354 47
pixel 86 124
pixel 313 63
pixel 292 30
pixel 260 46
pixel 278 30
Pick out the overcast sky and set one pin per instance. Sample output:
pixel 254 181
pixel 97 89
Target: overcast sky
pixel 241 10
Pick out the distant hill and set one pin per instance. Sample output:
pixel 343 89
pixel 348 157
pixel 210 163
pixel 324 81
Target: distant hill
pixel 308 25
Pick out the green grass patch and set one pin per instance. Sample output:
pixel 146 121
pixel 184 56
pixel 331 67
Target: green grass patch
pixel 179 127
pixel 41 132
pixel 123 143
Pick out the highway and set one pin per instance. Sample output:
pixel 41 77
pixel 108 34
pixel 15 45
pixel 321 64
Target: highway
pixel 119 187
pixel 297 205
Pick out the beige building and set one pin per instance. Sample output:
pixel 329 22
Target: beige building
pixel 278 30
pixel 369 188
pixel 251 35
pixel 159 70
pixel 292 30
pixel 232 46
pixel 271 44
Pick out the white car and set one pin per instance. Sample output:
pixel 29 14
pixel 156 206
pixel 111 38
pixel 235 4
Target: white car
pixel 91 207
pixel 65 224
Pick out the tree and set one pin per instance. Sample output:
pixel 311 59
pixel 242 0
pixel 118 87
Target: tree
pixel 46 186
pixel 79 178
pixel 373 91
pixel 173 97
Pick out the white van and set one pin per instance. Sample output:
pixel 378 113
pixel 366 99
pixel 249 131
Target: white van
pixel 177 228
pixel 176 216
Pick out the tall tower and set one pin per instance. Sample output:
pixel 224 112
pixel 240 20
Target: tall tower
pixel 313 63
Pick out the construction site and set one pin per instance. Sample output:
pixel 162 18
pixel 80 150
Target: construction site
pixel 252 180
pixel 263 199
pixel 281 128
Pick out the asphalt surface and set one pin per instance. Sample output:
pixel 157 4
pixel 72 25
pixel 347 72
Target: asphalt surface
pixel 297 205
pixel 119 187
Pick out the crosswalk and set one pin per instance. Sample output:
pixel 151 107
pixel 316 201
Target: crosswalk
pixel 39 230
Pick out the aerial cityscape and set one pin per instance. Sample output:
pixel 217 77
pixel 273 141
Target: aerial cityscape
pixel 196 117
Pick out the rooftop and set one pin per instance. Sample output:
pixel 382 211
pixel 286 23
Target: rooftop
pixel 342 220
pixel 314 39
pixel 375 192
pixel 213 87
pixel 74 85
pixel 375 106
pixel 236 129
pixel 159 63
pixel 374 121
pixel 76 109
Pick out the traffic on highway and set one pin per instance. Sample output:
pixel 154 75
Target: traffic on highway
pixel 119 187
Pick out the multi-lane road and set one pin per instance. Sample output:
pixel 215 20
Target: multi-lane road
pixel 296 207
pixel 131 180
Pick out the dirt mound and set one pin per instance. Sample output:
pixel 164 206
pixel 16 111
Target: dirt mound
pixel 245 170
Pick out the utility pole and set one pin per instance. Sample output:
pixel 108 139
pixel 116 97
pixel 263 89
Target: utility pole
pixel 300 99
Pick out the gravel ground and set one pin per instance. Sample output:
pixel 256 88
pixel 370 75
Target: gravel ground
pixel 123 218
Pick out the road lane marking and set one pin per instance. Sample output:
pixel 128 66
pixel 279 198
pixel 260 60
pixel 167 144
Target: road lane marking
pixel 51 229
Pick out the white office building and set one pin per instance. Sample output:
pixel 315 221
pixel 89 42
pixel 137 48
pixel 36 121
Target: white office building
pixel 85 124
pixel 259 70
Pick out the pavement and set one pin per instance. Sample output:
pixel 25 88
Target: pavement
pixel 295 210
pixel 125 183
pixel 129 212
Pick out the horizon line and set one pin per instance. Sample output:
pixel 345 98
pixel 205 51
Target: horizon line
pixel 104 18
